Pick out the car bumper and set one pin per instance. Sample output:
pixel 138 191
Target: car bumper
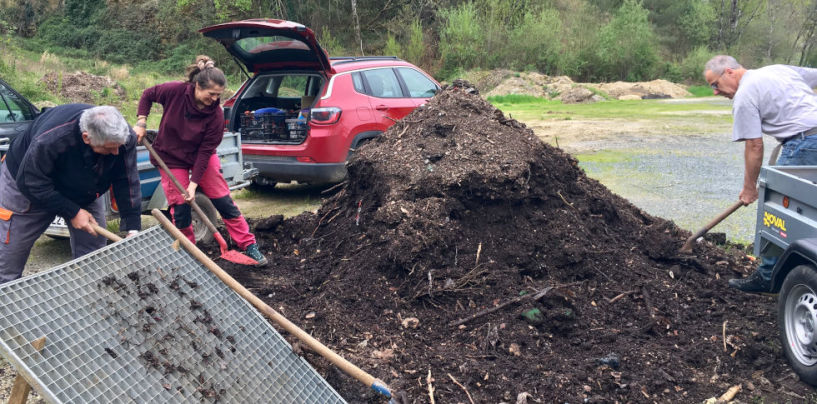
pixel 287 169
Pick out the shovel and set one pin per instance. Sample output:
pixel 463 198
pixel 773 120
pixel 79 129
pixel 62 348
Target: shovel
pixel 229 255
pixel 687 247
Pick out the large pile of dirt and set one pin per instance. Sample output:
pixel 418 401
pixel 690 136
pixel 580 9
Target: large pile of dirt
pixel 82 87
pixel 465 255
pixel 566 90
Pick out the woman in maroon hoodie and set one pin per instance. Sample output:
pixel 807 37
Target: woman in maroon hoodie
pixel 191 129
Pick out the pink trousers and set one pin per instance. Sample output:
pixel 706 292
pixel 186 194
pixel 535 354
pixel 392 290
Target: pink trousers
pixel 214 186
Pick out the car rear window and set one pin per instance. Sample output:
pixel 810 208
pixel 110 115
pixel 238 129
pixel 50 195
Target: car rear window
pixel 382 83
pixel 267 43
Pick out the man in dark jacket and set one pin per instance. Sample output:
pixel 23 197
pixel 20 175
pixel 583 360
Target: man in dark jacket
pixel 68 158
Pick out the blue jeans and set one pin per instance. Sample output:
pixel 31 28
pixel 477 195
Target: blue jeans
pixel 799 152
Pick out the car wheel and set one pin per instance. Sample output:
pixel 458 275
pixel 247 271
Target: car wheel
pixel 797 321
pixel 200 230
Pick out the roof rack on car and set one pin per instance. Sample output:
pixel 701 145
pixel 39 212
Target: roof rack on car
pixel 349 59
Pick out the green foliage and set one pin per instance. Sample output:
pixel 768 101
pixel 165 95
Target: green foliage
pixel 692 67
pixel 700 91
pixel 330 43
pixel 541 54
pixel 392 47
pixel 462 38
pixel 416 45
pixel 697 22
pixel 176 61
pixel 80 12
pixel 671 71
pixel 116 45
pixel 519 99
pixel 627 50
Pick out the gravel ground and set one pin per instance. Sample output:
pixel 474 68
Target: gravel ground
pixel 688 179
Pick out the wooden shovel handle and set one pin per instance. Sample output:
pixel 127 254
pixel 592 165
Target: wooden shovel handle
pixel 346 366
pixel 731 209
pixel 179 186
pixel 104 232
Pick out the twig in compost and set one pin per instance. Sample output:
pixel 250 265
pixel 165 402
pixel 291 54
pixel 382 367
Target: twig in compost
pixel 334 187
pixel 489 310
pixel 724 336
pixel 462 387
pixel 430 387
pixel 619 296
pixel 565 200
pixel 479 250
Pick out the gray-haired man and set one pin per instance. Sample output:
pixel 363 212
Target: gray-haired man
pixel 68 158
pixel 777 100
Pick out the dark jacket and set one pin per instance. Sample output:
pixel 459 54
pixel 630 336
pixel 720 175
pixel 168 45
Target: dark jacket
pixel 188 136
pixel 58 172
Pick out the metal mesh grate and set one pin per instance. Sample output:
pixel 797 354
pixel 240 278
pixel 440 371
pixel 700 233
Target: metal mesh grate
pixel 140 322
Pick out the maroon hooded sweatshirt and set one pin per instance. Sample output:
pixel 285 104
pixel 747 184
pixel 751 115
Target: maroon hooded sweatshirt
pixel 188 136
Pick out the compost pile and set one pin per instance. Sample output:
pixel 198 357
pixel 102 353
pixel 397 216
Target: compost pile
pixel 464 259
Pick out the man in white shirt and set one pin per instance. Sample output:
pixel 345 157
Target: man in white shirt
pixel 778 101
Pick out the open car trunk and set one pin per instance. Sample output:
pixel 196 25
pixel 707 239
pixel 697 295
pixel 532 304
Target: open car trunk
pixel 274 108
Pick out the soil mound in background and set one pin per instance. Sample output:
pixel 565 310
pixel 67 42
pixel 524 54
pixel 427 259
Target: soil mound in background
pixel 562 88
pixel 465 254
pixel 81 87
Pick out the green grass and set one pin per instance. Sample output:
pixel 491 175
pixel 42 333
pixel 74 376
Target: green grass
pixel 529 108
pixel 700 91
pixel 605 157
pixel 519 99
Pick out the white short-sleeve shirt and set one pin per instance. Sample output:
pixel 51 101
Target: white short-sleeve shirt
pixel 777 100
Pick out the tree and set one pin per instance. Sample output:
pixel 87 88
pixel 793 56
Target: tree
pixel 733 16
pixel 627 47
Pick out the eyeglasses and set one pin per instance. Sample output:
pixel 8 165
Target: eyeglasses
pixel 714 84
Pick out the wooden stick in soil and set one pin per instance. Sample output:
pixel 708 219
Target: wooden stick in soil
pixel 376 384
pixel 462 387
pixel 489 310
pixel 429 379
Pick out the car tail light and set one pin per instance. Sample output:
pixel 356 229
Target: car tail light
pixel 324 116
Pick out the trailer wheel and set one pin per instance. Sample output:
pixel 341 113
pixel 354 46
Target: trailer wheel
pixel 200 230
pixel 797 321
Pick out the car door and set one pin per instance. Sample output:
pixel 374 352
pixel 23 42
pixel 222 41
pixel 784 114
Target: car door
pixel 16 113
pixel 386 96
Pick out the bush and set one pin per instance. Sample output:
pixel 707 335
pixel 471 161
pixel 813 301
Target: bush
pixel 692 66
pixel 462 39
pixel 627 47
pixel 535 43
pixel 392 46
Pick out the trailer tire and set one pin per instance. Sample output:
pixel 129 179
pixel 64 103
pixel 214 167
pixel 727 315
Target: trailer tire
pixel 200 230
pixel 797 321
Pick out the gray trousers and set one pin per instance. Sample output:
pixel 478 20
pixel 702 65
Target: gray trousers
pixel 26 224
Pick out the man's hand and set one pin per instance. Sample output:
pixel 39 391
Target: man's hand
pixel 140 133
pixel 84 221
pixel 748 195
pixel 191 191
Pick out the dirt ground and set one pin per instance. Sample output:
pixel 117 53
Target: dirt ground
pixel 464 260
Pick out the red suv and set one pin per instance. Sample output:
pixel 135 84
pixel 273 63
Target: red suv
pixel 300 113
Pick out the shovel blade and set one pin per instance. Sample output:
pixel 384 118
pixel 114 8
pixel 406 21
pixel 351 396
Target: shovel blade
pixel 233 255
pixel 238 258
